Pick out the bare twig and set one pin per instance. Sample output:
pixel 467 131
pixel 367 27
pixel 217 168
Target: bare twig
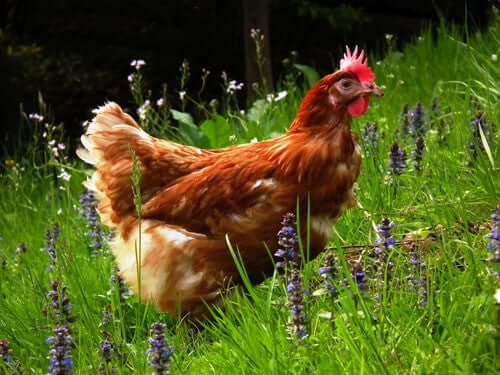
pixel 361 247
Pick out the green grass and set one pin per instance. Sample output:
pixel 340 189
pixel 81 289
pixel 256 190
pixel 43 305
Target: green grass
pixel 450 202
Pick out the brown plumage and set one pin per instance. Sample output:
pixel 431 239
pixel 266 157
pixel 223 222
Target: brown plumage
pixel 192 198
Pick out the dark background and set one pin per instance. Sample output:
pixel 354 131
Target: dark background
pixel 77 53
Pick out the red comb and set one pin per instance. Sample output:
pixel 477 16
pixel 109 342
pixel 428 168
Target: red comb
pixel 354 63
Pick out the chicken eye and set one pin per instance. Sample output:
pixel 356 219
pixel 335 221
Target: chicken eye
pixel 346 84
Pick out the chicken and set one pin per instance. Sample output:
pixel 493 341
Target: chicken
pixel 192 198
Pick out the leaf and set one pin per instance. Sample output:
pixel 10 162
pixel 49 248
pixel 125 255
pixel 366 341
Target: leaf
pixel 188 131
pixel 258 110
pixel 253 131
pixel 217 132
pixel 486 146
pixel 310 74
pixel 183 117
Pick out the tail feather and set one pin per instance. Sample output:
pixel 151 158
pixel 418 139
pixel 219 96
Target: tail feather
pixel 106 145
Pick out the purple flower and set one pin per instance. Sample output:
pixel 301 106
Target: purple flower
pixel 5 351
pixel 287 240
pixel 358 276
pixel 435 106
pixel 417 120
pixel 397 161
pixel 494 244
pixel 370 136
pixel 329 273
pixel 296 304
pixel 418 268
pixel 96 233
pixel 160 352
pixel 118 284
pixel 384 245
pixel 384 233
pixel 106 352
pixel 419 153
pixel 61 362
pixel 51 237
pixel 107 316
pixel 60 303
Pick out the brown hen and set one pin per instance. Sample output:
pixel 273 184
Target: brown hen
pixel 192 197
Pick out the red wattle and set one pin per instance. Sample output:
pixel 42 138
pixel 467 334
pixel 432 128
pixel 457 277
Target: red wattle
pixel 359 106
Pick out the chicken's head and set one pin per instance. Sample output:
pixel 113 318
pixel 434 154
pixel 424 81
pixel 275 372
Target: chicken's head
pixel 347 91
pixel 352 86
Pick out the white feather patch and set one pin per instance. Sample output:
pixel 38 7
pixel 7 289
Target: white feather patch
pixel 264 182
pixel 155 280
pixel 323 225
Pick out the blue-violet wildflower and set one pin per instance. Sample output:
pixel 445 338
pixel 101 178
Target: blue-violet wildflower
pixel 106 351
pixel 117 283
pixel 419 153
pixel 397 161
pixel 160 352
pixel 287 240
pixel 435 106
pixel 60 303
pixel 96 233
pixel 494 244
pixel 295 294
pixel 370 136
pixel 384 245
pixel 418 268
pixel 51 237
pixel 107 316
pixel 329 273
pixel 359 275
pixel 61 362
pixel 5 351
pixel 417 120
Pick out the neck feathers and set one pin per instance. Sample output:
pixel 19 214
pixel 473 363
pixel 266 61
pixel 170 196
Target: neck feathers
pixel 317 110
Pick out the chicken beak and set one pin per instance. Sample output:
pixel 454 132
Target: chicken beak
pixel 373 89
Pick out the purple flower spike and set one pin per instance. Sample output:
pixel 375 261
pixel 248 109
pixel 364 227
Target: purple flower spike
pixel 5 351
pixel 494 244
pixel 359 276
pixel 417 120
pixel 61 362
pixel 60 303
pixel 370 137
pixel 118 284
pixel 296 304
pixel 106 352
pixel 329 274
pixel 419 153
pixel 160 352
pixel 384 244
pixel 287 240
pixel 397 161
pixel 51 237
pixel 96 233
pixel 435 107
pixel 418 268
